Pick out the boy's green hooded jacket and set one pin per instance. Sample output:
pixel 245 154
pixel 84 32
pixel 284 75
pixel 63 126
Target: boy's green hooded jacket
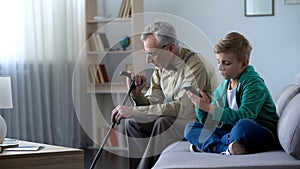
pixel 253 99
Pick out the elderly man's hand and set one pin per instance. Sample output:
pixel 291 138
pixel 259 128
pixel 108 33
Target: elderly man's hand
pixel 121 112
pixel 140 82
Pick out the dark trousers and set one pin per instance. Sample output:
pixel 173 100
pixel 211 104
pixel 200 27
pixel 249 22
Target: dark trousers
pixel 146 141
pixel 247 132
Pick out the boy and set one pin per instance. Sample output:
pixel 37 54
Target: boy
pixel 242 107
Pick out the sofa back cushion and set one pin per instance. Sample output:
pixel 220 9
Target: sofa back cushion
pixel 289 125
pixel 285 96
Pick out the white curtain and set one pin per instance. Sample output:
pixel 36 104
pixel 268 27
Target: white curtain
pixel 39 43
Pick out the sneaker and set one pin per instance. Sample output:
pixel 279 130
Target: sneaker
pixel 236 148
pixel 194 148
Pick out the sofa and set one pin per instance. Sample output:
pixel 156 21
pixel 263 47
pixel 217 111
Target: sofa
pixel 178 155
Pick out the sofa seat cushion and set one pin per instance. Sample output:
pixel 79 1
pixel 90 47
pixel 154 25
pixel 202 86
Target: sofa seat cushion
pixel 177 155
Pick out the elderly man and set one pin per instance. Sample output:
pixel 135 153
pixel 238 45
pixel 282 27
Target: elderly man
pixel 159 117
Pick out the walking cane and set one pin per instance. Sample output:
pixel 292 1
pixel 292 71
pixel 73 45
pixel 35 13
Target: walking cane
pixel 132 86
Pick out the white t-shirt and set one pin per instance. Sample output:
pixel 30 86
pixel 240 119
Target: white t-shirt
pixel 231 98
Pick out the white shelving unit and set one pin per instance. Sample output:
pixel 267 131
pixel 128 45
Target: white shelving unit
pixel 115 28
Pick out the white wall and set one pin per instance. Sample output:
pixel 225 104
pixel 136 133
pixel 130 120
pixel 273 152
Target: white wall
pixel 275 39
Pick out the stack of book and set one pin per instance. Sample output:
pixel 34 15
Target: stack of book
pixel 8 143
pixel 98 74
pixel 99 42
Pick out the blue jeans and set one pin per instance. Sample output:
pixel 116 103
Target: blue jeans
pixel 247 132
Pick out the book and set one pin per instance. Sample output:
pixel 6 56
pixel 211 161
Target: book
pixel 99 74
pixel 126 9
pixel 121 10
pixel 8 143
pixel 91 43
pixel 25 148
pixel 92 74
pixel 97 77
pixel 128 14
pixel 104 73
pixel 99 42
pixel 104 40
pixel 95 42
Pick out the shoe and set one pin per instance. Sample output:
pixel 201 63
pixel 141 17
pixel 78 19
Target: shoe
pixel 194 148
pixel 236 148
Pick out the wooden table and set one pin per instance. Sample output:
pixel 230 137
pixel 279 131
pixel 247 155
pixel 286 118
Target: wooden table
pixel 50 157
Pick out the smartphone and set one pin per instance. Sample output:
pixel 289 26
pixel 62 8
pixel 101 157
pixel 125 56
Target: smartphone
pixel 192 89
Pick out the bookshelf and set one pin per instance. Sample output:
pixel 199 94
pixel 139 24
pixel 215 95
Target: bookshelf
pixel 122 23
pixel 117 27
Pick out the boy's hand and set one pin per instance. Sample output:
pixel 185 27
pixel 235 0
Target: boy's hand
pixel 202 103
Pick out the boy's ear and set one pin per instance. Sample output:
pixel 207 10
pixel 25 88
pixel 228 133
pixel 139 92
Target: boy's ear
pixel 245 63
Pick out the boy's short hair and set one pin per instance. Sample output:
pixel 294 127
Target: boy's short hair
pixel 236 44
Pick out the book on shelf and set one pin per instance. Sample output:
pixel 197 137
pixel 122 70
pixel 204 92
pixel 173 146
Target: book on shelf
pixel 122 7
pixel 125 9
pixel 94 43
pixel 128 14
pixel 98 74
pixel 91 43
pixel 93 74
pixel 104 40
pixel 104 73
pixel 99 42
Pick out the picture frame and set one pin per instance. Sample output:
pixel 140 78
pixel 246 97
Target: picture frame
pixel 288 2
pixel 259 8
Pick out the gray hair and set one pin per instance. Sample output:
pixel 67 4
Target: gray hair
pixel 163 32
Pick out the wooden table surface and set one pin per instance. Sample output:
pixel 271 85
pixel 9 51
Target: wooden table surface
pixel 49 157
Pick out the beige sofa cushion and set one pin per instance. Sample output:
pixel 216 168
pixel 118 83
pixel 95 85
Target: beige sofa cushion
pixel 289 127
pixel 285 96
pixel 178 155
